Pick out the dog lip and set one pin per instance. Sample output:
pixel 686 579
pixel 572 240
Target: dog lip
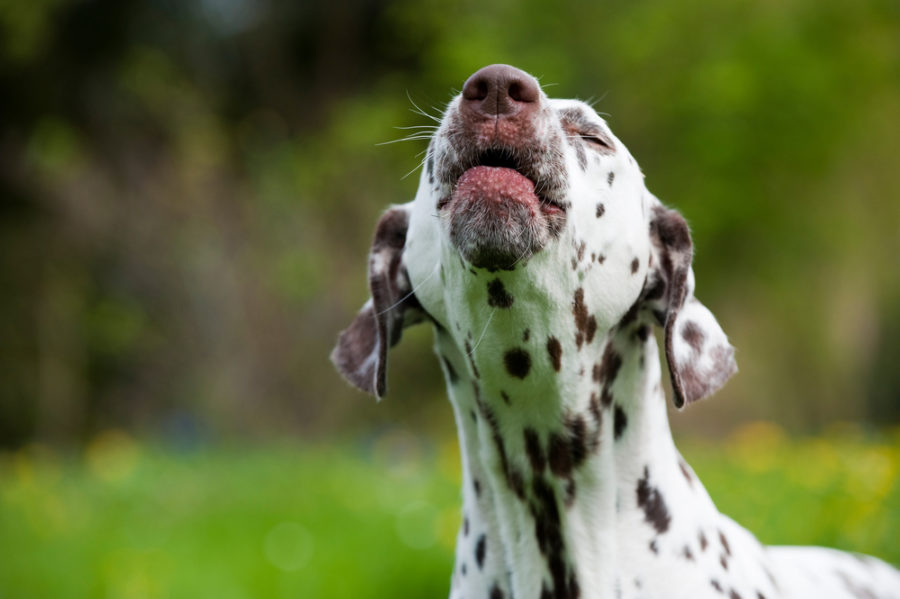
pixel 507 158
pixel 497 185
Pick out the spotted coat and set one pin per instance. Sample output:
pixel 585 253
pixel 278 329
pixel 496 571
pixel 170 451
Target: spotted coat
pixel 543 264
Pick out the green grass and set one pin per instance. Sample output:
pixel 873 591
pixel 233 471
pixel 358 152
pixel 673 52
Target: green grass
pixel 378 519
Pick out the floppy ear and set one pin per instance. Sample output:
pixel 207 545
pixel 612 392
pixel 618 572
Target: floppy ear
pixel 361 351
pixel 699 356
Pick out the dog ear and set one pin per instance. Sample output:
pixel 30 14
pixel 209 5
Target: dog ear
pixel 699 356
pixel 361 351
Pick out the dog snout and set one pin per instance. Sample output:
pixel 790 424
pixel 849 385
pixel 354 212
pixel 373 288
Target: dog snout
pixel 500 90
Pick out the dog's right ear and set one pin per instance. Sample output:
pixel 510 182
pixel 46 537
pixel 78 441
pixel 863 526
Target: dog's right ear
pixel 698 353
pixel 361 351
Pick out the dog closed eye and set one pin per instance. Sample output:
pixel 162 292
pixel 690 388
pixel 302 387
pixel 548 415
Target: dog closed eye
pixel 597 140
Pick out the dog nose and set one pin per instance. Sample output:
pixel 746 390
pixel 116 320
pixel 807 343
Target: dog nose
pixel 500 90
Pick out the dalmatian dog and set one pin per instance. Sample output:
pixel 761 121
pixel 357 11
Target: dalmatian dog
pixel 543 263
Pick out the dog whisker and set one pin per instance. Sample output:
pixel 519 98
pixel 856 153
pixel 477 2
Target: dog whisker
pixel 486 324
pixel 417 110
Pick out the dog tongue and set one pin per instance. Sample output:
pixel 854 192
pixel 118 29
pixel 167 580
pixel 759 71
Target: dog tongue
pixel 495 184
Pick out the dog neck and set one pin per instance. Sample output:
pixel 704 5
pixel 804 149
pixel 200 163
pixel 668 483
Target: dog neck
pixel 552 470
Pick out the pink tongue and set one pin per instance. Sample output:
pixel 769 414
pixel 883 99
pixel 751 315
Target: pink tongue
pixel 497 184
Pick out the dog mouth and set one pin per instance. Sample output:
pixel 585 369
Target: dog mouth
pixel 499 209
pixel 499 175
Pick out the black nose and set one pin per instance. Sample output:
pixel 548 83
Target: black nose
pixel 500 90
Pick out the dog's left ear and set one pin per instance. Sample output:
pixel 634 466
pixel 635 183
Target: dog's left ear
pixel 699 356
pixel 361 351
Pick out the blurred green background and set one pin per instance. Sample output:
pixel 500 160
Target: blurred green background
pixel 187 194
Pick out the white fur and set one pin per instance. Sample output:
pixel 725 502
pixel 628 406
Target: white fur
pixel 612 546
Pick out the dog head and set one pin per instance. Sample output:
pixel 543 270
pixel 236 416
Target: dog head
pixel 531 219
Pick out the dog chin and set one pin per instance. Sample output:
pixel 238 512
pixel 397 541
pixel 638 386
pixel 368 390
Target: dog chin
pixel 496 219
pixel 501 253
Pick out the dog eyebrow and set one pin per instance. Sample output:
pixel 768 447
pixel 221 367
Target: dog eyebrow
pixel 578 118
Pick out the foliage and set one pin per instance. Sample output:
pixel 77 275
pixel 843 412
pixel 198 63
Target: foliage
pixel 372 519
pixel 188 191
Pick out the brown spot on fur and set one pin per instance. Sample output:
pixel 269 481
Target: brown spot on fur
pixel 634 265
pixel 518 362
pixel 610 178
pixel 610 364
pixel 472 360
pixel 585 324
pixel 725 544
pixel 534 450
pixel 606 397
pixel 597 415
pixel 693 335
pixel 703 542
pixel 480 550
pixel 548 533
pixel 608 369
pixel 496 593
pixel 559 454
pixel 554 350
pixel 513 476
pixel 685 472
pixel 516 481
pixel 715 584
pixel 651 501
pixel 594 406
pixel 545 510
pixel 578 439
pixel 601 209
pixel 498 296
pixel 620 421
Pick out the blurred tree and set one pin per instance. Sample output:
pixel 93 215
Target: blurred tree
pixel 187 192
